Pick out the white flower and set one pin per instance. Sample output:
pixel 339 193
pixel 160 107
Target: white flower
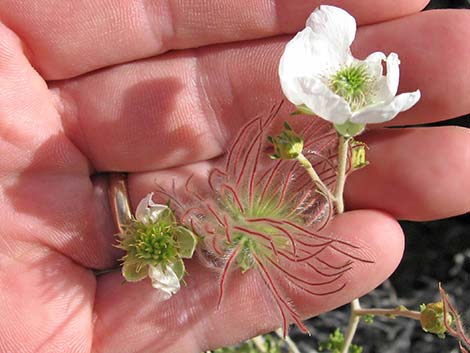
pixel 319 74
pixel 155 247
pixel 164 279
pixel 148 211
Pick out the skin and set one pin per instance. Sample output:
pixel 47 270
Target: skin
pixel 103 90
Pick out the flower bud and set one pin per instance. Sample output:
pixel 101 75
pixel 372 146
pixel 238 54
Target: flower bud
pixel 287 145
pixel 432 318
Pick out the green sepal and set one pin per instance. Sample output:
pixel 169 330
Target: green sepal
pixel 166 217
pixel 302 109
pixel 349 129
pixel 134 271
pixel 187 242
pixel 178 268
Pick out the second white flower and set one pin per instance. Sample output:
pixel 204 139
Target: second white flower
pixel 319 74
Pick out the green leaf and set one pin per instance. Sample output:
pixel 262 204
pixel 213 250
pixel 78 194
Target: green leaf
pixel 336 342
pixel 349 129
pixel 368 319
pixel 179 268
pixel 187 242
pixel 134 271
pixel 271 345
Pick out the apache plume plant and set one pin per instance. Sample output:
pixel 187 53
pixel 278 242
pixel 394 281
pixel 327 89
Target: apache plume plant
pixel 263 211
pixel 264 215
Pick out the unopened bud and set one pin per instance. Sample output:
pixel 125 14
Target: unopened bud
pixel 432 318
pixel 287 145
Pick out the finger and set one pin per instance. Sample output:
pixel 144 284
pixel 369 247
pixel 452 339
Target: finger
pixel 164 111
pixel 46 299
pixel 46 194
pixel 416 174
pixel 66 40
pixel 189 321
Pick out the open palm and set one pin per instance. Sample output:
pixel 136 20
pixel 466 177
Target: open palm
pixel 96 86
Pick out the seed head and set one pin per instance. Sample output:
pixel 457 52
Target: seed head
pixel 264 215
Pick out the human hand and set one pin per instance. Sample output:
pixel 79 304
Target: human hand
pixel 114 101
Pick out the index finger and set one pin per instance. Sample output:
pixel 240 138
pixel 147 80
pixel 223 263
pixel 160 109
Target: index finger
pixel 69 38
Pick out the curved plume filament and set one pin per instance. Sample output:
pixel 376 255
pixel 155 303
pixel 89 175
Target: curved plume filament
pixel 297 278
pixel 236 146
pixel 272 173
pixel 192 192
pixel 319 294
pixel 269 281
pixel 225 272
pixel 335 267
pixel 247 156
pixel 212 173
pixel 234 193
pixel 261 235
pixel 227 230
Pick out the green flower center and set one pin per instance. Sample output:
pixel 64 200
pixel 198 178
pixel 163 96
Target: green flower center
pixel 257 238
pixel 354 84
pixel 153 243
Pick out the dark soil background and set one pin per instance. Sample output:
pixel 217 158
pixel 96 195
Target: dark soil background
pixel 437 251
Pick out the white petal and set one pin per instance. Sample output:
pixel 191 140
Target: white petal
pixel 314 54
pixel 323 102
pixel 307 56
pixel 374 64
pixel 393 73
pixel 148 211
pixel 298 55
pixel 167 280
pixel 386 111
pixel 382 92
pixel 142 208
pixel 335 24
